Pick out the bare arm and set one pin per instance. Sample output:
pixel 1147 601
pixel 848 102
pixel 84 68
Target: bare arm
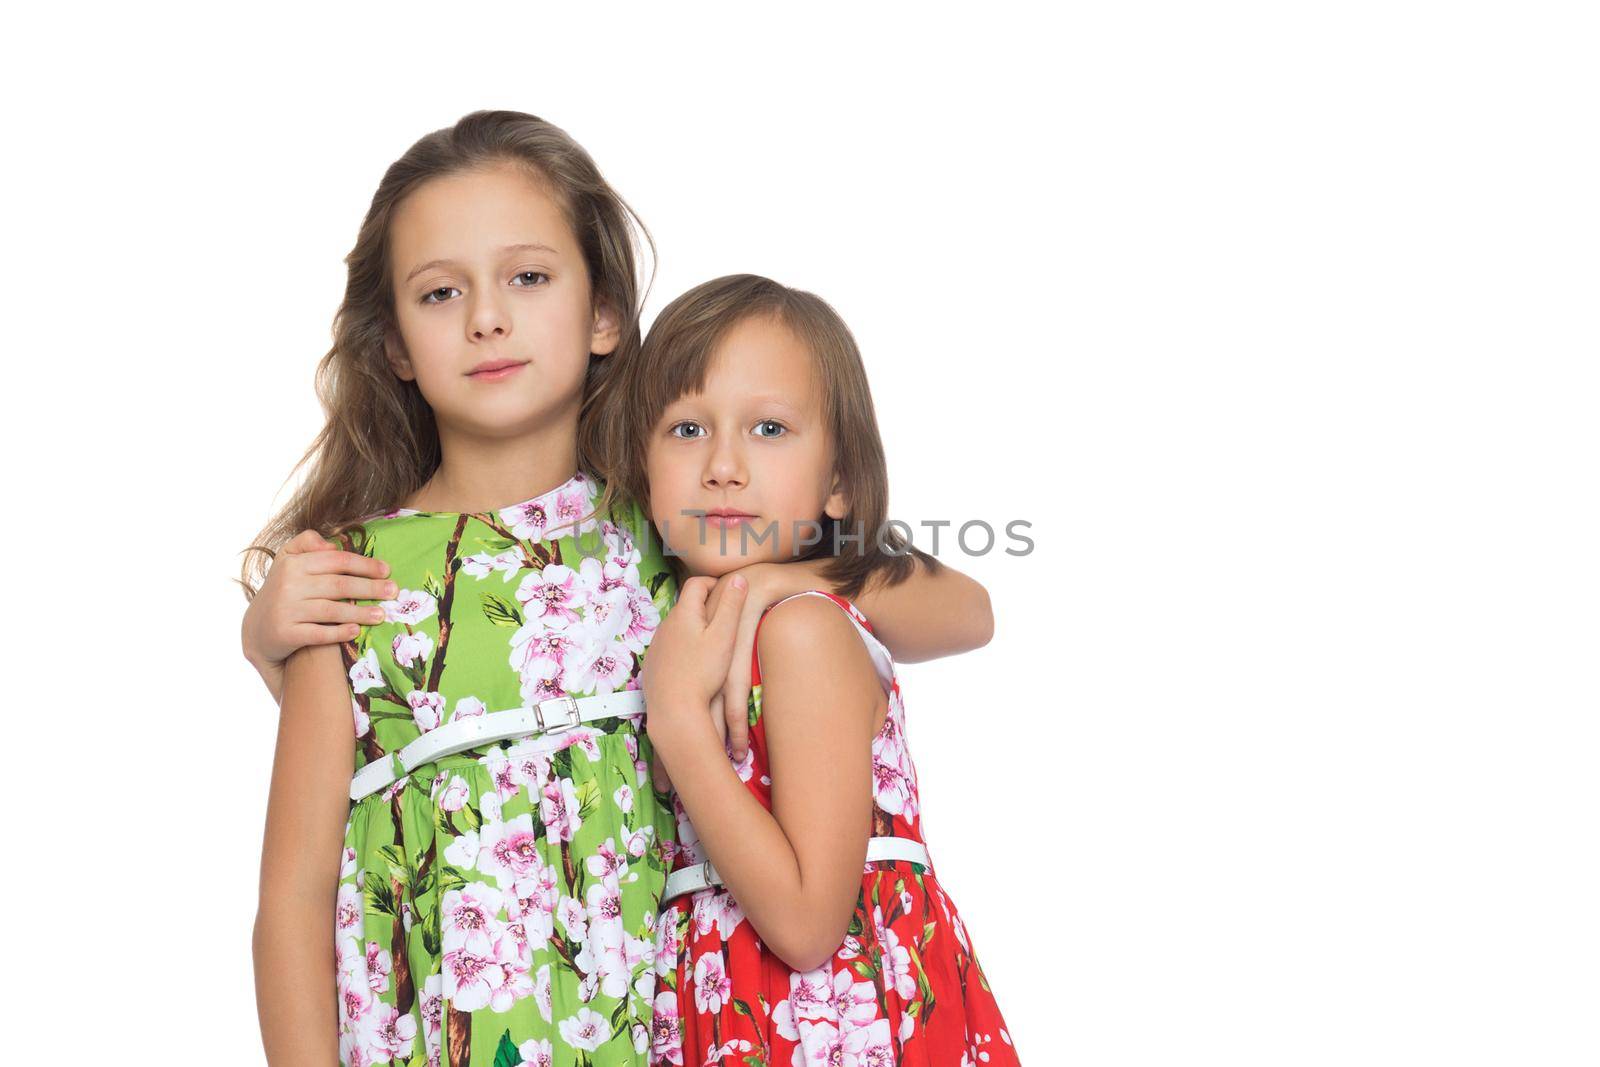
pixel 300 854
pixel 927 616
pixel 796 871
pixel 304 600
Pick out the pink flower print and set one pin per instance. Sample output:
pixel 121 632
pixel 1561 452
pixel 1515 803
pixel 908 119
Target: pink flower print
pixel 463 851
pixel 559 810
pixel 605 906
pixel 503 773
pixel 432 1011
pixel 411 606
pixel 468 708
pixel 393 1034
pixel 897 965
pixel 850 1001
pixel 585 1030
pixel 609 614
pixel 582 738
pixel 619 542
pixel 470 977
pixel 347 910
pixel 603 576
pixel 552 595
pixel 819 1045
pixel 541 991
pixel 892 787
pixel 347 866
pixel 605 861
pixel 530 768
pixel 642 619
pixel 509 850
pixel 454 797
pixel 538 690
pixel 425 708
pixel 515 982
pixel 507 563
pixel 536 1053
pixel 602 958
pixel 602 668
pixel 407 648
pixel 364 673
pixel 623 798
pixel 667 940
pixel 574 918
pixel 639 841
pixel 533 903
pixel 571 513
pixel 908 1026
pixel 467 918
pixel 869 1046
pixel 378 967
pixel 711 984
pixel 538 651
pixel 363 722
pixel 811 995
pixel 527 520
pixel 849 949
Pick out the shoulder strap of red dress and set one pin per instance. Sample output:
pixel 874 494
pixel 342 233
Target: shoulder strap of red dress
pixel 881 660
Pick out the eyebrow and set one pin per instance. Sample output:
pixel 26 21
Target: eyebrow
pixel 508 248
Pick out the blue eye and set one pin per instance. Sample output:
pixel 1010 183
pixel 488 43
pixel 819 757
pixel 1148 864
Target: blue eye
pixel 686 425
pixel 778 428
pixel 428 297
pixel 531 274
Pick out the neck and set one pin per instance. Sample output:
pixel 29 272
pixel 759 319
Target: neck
pixel 478 474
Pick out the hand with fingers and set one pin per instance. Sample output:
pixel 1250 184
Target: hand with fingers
pixel 306 600
pixel 687 666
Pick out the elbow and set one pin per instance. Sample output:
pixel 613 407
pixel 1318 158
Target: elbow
pixel 805 955
pixel 982 619
pixel 807 944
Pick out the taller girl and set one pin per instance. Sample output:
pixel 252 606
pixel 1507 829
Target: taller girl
pixel 493 869
pixel 494 904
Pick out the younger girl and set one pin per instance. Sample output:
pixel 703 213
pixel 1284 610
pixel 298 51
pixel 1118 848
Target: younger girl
pixel 494 884
pixel 803 923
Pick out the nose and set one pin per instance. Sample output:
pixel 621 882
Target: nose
pixel 488 319
pixel 725 466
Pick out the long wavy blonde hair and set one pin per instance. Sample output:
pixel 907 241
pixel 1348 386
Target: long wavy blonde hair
pixel 380 444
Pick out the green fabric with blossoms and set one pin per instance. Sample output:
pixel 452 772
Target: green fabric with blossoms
pixel 497 907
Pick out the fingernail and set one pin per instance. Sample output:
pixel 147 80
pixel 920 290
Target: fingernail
pixel 738 581
pixel 385 571
pixel 390 589
pixel 376 614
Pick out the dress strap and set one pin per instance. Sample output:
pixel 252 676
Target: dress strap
pixel 881 660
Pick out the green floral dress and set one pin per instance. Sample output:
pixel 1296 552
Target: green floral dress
pixel 497 907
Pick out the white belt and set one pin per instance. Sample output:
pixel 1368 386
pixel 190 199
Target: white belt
pixel 458 735
pixel 703 875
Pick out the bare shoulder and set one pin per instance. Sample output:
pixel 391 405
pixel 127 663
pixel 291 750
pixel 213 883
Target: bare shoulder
pixel 807 632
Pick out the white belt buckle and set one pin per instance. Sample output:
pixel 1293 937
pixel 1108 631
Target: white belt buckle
pixel 569 705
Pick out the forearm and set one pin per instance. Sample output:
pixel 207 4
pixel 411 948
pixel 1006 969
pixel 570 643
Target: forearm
pixel 751 852
pixel 929 615
pixel 296 1000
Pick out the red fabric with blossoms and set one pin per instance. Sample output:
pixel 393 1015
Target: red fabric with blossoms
pixel 903 988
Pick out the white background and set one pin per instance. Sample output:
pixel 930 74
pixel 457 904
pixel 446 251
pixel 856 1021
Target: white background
pixel 1278 322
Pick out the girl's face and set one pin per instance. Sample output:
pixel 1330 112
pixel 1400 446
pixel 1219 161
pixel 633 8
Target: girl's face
pixel 492 299
pixel 752 452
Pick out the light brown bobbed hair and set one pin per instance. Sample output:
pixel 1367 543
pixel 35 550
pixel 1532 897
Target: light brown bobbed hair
pixel 380 443
pixel 674 363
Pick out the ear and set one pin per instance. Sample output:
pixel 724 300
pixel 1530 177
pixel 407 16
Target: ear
pixel 606 332
pixel 837 506
pixel 394 352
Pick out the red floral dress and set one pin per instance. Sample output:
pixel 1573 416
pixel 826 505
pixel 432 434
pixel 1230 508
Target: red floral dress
pixel 903 988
